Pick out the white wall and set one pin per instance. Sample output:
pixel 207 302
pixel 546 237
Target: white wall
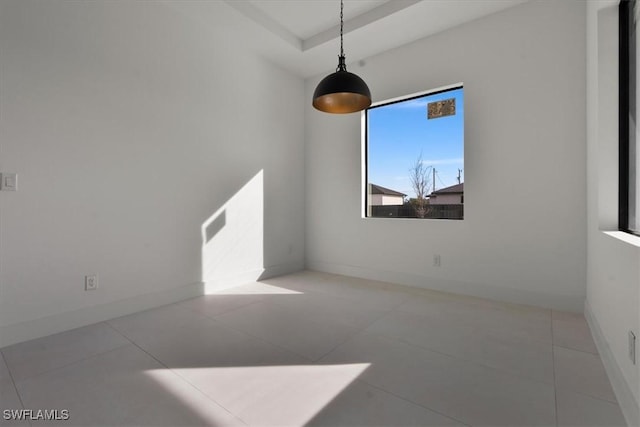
pixel 613 268
pixel 523 71
pixel 131 124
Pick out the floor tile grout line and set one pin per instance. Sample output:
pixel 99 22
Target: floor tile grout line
pixel 206 396
pixel 577 349
pixel 359 331
pixel 356 333
pixel 250 335
pixel 364 330
pixel 553 360
pixel 553 384
pixel 595 351
pixel 459 359
pixel 590 395
pixel 319 293
pixel 577 391
pixel 312 361
pixel 410 290
pixel 453 356
pixel 213 317
pixel 343 298
pixel 401 303
pixel 347 300
pixel 421 292
pixel 377 387
pixel 180 376
pixel 368 288
pixel 13 382
pixel 241 331
pixel 82 359
pixel 266 341
pixel 66 365
pixel 316 361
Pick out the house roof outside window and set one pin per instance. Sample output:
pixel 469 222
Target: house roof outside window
pixel 454 189
pixel 376 189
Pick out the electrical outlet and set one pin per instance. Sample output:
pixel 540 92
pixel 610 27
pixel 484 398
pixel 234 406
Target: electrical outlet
pixel 8 182
pixel 91 282
pixel 632 347
pixel 436 260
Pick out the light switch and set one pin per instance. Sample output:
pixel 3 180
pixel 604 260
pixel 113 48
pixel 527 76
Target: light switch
pixel 9 182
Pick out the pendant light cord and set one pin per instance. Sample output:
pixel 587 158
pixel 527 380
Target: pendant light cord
pixel 342 66
pixel 341 92
pixel 341 26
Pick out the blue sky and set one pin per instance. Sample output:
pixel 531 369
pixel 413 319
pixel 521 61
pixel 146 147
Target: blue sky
pixel 399 133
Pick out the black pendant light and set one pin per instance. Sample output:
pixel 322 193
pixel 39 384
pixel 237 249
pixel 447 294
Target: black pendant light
pixel 341 92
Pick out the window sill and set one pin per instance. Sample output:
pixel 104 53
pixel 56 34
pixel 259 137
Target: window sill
pixel 631 239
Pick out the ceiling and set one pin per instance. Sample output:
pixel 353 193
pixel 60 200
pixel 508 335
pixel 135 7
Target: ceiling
pixel 307 18
pixel 303 35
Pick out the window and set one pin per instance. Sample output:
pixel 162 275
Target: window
pixel 629 197
pixel 414 156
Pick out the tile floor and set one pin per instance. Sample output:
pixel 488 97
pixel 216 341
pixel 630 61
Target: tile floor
pixel 322 350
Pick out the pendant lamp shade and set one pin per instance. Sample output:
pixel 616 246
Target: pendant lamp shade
pixel 341 92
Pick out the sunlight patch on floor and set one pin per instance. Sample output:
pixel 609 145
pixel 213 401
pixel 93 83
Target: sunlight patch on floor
pixel 256 288
pixel 268 395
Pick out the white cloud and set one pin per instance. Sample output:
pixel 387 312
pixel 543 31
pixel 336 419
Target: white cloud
pixel 416 103
pixel 443 161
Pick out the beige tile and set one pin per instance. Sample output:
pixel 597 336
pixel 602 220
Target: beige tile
pixel 144 325
pixel 571 330
pixel 533 359
pixel 582 372
pixel 323 307
pixel 426 358
pixel 276 394
pixel 362 291
pixel 283 327
pixel 261 288
pixel 576 409
pixel 215 304
pixel 461 390
pixel 424 330
pixel 215 345
pixel 515 322
pixel 302 281
pixel 123 387
pixel 37 356
pixel 363 405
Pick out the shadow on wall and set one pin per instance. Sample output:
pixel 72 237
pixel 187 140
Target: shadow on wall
pixel 232 238
pixel 215 226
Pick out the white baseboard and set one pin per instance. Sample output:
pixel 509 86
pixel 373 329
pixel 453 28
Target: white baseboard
pixel 475 289
pixel 226 282
pixel 625 397
pixel 37 328
pixel 282 269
